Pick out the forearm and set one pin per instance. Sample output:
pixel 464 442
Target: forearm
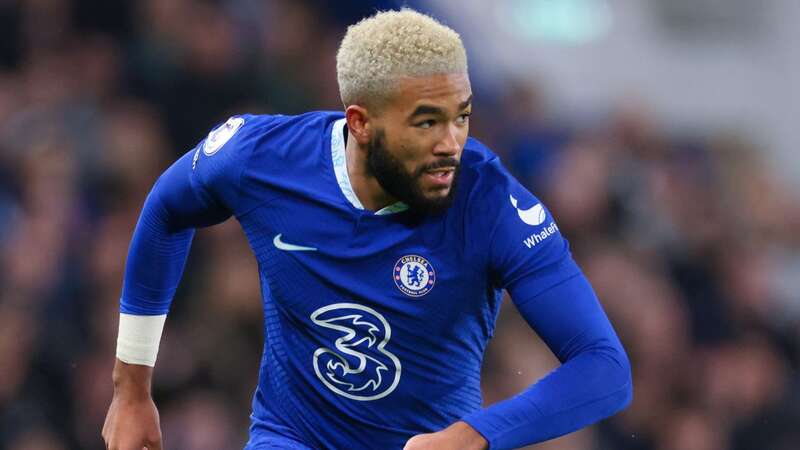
pixel 155 263
pixel 156 259
pixel 593 382
pixel 132 380
pixel 581 392
pixel 132 421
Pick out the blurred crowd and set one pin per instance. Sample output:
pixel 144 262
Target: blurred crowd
pixel 690 241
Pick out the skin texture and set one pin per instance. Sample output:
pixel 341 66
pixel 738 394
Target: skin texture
pixel 414 144
pixel 418 144
pixel 132 422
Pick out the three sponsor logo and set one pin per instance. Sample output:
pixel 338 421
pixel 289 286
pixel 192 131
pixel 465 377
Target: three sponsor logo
pixel 357 366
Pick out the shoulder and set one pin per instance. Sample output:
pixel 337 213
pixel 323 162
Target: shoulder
pixel 489 192
pixel 246 137
pixel 523 237
pixel 258 130
pixel 251 157
pixel 307 122
pixel 476 154
pixel 483 172
pixel 292 138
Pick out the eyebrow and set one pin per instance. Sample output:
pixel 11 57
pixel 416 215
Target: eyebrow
pixel 465 103
pixel 435 110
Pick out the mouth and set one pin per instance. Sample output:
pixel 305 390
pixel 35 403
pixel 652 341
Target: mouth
pixel 440 178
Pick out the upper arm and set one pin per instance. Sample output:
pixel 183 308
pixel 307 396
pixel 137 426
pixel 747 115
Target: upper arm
pixel 531 259
pixel 200 189
pixel 527 253
pixel 570 320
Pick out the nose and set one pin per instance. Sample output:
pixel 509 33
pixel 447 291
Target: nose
pixel 448 145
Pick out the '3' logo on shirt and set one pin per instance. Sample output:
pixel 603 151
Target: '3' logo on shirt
pixel 358 366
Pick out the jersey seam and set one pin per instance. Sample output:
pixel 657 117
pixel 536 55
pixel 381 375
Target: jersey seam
pixel 245 166
pixel 196 181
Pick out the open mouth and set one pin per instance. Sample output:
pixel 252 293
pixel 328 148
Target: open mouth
pixel 441 177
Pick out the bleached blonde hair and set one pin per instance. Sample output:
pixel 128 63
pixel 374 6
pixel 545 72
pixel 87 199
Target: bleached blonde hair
pixel 378 50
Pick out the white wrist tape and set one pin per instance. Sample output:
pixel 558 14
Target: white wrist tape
pixel 139 338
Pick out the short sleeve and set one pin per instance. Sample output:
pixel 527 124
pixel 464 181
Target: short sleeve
pixel 528 254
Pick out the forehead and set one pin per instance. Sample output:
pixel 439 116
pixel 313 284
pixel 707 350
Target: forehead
pixel 442 89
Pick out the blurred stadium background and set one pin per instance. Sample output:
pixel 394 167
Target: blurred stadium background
pixel 661 133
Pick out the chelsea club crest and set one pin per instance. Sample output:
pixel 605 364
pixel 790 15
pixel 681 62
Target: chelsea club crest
pixel 414 275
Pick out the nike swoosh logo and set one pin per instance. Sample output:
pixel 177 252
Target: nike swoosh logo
pixel 290 247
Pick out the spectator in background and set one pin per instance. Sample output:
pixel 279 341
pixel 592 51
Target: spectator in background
pixel 691 242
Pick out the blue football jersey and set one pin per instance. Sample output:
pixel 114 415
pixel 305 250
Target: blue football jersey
pixel 376 322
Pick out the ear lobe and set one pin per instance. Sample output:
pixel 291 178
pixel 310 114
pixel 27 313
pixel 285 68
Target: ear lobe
pixel 358 123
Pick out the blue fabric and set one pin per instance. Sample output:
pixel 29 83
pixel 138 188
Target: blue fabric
pixel 159 246
pixel 179 202
pixel 375 329
pixel 593 382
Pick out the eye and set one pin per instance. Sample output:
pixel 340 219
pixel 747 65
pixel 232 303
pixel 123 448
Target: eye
pixel 426 124
pixel 463 118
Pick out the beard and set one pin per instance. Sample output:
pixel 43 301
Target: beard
pixel 404 185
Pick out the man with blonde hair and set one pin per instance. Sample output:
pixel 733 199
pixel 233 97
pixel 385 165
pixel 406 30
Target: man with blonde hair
pixel 384 238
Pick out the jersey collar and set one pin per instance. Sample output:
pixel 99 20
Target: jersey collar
pixel 339 159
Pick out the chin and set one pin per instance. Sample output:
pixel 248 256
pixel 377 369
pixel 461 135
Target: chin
pixel 438 194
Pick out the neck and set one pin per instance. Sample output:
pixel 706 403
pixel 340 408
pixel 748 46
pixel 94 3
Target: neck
pixel 365 186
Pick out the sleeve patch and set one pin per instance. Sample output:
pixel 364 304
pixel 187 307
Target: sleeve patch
pixel 222 134
pixel 533 216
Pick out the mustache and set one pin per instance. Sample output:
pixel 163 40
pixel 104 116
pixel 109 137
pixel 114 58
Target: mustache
pixel 439 164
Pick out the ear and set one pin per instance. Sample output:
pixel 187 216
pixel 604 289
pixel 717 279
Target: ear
pixel 358 123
